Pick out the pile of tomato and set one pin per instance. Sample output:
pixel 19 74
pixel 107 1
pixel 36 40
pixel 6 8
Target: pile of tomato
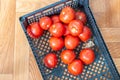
pixel 67 29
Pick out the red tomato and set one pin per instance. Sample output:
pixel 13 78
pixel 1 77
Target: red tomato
pixel 55 18
pixel 30 33
pixel 71 42
pixel 34 30
pixel 56 43
pixel 76 67
pixel 67 14
pixel 81 16
pixel 45 22
pixel 67 56
pixel 75 27
pixel 87 56
pixel 86 34
pixel 67 31
pixel 50 60
pixel 57 29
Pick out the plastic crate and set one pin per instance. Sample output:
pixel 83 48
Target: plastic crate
pixel 102 68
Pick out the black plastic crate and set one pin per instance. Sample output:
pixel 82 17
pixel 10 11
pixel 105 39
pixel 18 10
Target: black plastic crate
pixel 102 68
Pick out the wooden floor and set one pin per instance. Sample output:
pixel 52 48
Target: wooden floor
pixel 16 59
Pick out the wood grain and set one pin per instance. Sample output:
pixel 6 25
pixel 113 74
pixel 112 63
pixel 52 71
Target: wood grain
pixel 33 68
pixel 114 49
pixel 25 66
pixel 117 62
pixel 106 12
pixel 7 28
pixel 6 77
pixel 16 59
pixel 21 56
pixel 31 5
pixel 111 34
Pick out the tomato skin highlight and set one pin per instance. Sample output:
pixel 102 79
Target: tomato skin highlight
pixel 56 43
pixel 30 33
pixel 67 56
pixel 75 67
pixel 81 16
pixel 45 22
pixel 86 34
pixel 67 14
pixel 57 29
pixel 50 60
pixel 55 18
pixel 87 56
pixel 71 42
pixel 75 27
pixel 34 30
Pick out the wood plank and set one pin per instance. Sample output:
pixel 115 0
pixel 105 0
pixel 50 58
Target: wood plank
pixel 114 49
pixel 106 12
pixel 31 71
pixel 0 7
pixel 117 63
pixel 114 13
pixel 31 5
pixel 107 15
pixel 6 77
pixel 111 34
pixel 21 56
pixel 98 5
pixel 7 22
pixel 34 72
pixel 102 20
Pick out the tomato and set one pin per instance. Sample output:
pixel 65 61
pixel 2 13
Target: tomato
pixel 34 30
pixel 45 22
pixel 30 33
pixel 76 67
pixel 67 14
pixel 67 56
pixel 66 31
pixel 87 56
pixel 81 16
pixel 71 42
pixel 57 29
pixel 86 34
pixel 75 27
pixel 55 18
pixel 56 43
pixel 50 60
